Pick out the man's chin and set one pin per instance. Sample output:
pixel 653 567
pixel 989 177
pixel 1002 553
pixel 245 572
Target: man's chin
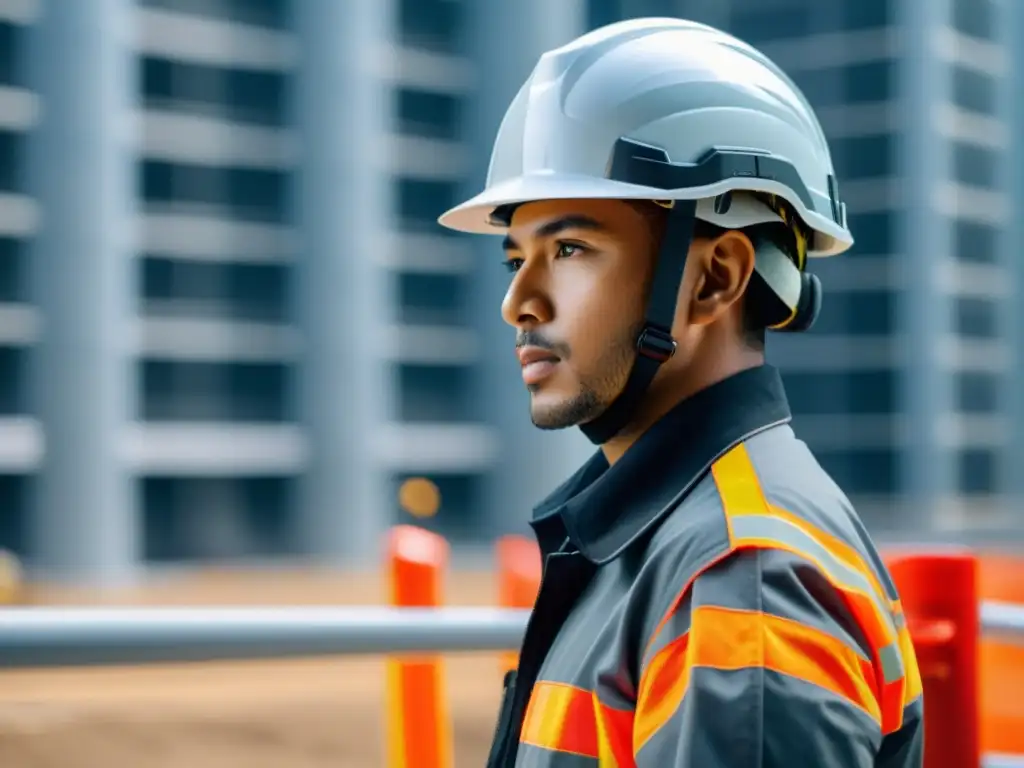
pixel 561 414
pixel 549 426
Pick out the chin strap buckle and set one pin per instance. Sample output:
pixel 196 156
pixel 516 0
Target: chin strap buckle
pixel 656 344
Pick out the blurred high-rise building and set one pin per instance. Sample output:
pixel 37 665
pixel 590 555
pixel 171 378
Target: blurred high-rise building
pixel 20 443
pixel 904 387
pixel 230 326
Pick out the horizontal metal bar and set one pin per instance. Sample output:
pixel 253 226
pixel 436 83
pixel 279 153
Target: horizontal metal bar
pixel 58 637
pixel 54 637
pixel 996 760
pixel 1007 619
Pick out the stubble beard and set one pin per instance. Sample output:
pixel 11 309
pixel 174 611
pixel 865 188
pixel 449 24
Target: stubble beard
pixel 596 392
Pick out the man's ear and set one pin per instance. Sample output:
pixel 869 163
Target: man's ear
pixel 723 266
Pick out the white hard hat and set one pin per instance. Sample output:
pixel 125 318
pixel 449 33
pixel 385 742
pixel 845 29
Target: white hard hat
pixel 714 115
pixel 684 114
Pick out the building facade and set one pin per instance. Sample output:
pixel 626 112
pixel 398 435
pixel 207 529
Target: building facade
pixel 904 387
pixel 230 326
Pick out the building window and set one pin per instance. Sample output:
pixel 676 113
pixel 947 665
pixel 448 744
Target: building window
pixel 872 82
pixel 421 201
pixel 195 519
pixel 431 299
pixel 14 535
pixel 254 292
pixel 840 392
pixel 12 71
pixel 434 393
pixel 12 157
pixel 975 18
pixel 857 313
pixel 978 471
pixel 433 25
pixel 13 374
pixel 874 233
pixel 759 25
pixel 976 318
pixel 864 157
pixel 600 13
pixel 976 242
pixel 975 91
pixel 976 166
pixel 977 392
pixel 867 83
pixel 236 95
pixel 174 390
pixel 867 14
pixel 249 194
pixel 433 115
pixel 868 472
pixel 13 268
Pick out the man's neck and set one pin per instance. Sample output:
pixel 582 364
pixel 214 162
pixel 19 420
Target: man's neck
pixel 664 395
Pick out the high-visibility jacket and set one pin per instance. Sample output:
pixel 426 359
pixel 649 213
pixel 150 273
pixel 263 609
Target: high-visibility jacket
pixel 711 601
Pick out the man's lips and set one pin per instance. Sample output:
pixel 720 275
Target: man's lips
pixel 529 355
pixel 537 364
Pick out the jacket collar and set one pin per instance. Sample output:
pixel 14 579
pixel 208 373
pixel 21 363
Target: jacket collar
pixel 601 510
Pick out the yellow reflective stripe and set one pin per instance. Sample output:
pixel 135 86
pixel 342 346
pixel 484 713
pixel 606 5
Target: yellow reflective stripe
pixel 753 522
pixel 741 493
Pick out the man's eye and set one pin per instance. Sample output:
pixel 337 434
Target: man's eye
pixel 513 265
pixel 565 250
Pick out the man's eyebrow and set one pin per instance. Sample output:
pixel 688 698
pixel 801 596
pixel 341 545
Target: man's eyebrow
pixel 573 221
pixel 556 226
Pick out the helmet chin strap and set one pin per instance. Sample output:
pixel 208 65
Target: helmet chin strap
pixel 655 344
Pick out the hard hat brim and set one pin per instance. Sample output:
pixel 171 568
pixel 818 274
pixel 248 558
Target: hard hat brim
pixel 474 215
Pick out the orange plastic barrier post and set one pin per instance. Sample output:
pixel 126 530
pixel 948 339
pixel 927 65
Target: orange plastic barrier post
pixel 519 570
pixel 1002 660
pixel 418 717
pixel 939 593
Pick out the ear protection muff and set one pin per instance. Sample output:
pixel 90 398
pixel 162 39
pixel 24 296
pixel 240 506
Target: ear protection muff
pixel 786 298
pixel 808 307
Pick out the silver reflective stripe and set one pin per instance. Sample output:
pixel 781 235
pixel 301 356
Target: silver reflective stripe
pixel 777 529
pixel 892 662
pixel 899 619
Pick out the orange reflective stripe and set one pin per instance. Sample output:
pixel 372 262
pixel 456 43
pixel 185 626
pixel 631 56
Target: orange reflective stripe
pixel 662 687
pixel 564 718
pixel 729 639
pixel 614 736
pixel 755 523
pixel 560 717
pixel 678 599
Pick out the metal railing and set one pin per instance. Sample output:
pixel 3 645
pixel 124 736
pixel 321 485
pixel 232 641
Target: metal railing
pixel 1003 619
pixel 59 637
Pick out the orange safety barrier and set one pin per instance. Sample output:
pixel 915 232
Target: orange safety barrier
pixel 1002 663
pixel 939 594
pixel 519 571
pixel 419 724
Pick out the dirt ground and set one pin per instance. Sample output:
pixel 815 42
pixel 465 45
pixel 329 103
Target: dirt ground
pixel 297 714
